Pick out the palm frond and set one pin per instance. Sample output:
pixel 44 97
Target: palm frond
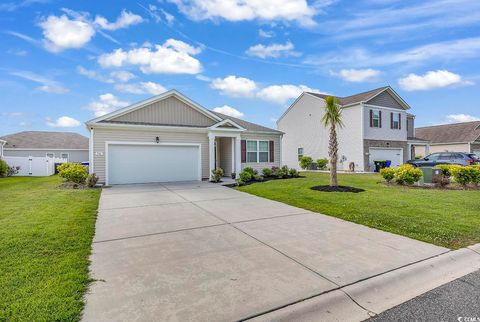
pixel 333 112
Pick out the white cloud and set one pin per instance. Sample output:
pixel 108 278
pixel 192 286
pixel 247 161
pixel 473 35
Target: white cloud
pixel 460 118
pixel 62 33
pixel 228 110
pixel 235 86
pixel 358 75
pixel 64 121
pixel 141 88
pixel 266 34
pixel 431 80
pixel 122 75
pixel 105 104
pixel 17 52
pixel 273 50
pixel 47 85
pixel 281 94
pixel 173 57
pixel 125 20
pixel 298 11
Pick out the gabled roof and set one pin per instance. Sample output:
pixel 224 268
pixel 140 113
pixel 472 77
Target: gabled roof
pixel 450 133
pixel 247 125
pixel 45 140
pixel 364 97
pixel 152 100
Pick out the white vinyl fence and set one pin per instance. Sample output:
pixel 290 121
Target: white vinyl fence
pixel 34 166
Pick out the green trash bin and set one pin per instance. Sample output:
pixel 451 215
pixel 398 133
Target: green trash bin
pixel 427 175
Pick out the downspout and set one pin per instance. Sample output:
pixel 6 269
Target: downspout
pixel 90 150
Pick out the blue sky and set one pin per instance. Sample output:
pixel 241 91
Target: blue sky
pixel 65 62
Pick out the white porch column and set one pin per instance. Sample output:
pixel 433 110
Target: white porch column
pixel 233 154
pixel 238 154
pixel 427 149
pixel 211 153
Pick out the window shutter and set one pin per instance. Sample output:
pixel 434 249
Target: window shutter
pixel 371 118
pixel 271 151
pixel 399 121
pixel 243 144
pixel 391 120
pixel 379 119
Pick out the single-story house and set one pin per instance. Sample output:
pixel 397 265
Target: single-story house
pixel 169 137
pixel 64 145
pixel 458 137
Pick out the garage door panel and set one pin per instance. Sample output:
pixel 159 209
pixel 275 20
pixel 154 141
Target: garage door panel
pixel 152 163
pixel 394 155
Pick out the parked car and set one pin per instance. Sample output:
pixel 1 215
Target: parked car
pixel 434 159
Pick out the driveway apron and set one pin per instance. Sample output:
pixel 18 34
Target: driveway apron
pixel 197 251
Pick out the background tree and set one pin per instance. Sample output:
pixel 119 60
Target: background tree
pixel 332 119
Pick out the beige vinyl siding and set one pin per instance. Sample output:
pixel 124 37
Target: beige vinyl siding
pixel 449 148
pixel 101 135
pixel 386 100
pixel 225 154
pixel 170 111
pixel 264 137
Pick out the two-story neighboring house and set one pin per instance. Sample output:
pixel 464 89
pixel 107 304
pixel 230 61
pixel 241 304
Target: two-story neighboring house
pixel 376 127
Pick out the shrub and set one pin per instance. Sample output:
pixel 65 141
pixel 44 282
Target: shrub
pixel 322 163
pixel 12 171
pixel 3 168
pixel 240 182
pixel 475 174
pixel 92 180
pixel 445 169
pixel 305 162
pixel 72 172
pixel 251 170
pixel 217 174
pixel 407 174
pixel 388 174
pixel 463 175
pixel 258 178
pixel 441 181
pixel 293 173
pixel 267 172
pixel 245 176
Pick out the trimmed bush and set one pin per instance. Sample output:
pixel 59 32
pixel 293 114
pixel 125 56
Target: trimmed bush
pixel 463 175
pixel 72 172
pixel 293 173
pixel 217 174
pixel 267 172
pixel 407 174
pixel 245 176
pixel 322 163
pixel 445 169
pixel 388 174
pixel 305 162
pixel 3 169
pixel 251 170
pixel 258 178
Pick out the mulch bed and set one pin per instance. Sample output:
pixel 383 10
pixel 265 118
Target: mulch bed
pixel 232 185
pixel 337 189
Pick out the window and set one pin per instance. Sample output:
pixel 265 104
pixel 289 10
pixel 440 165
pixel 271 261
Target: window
pixel 257 151
pixel 64 155
pixel 50 155
pixel 445 156
pixel 396 121
pixel 376 118
pixel 300 153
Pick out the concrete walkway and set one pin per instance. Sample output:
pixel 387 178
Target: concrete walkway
pixel 202 252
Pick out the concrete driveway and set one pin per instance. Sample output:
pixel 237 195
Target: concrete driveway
pixel 202 252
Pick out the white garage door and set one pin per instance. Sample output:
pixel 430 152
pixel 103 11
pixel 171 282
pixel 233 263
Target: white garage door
pixel 152 163
pixel 394 155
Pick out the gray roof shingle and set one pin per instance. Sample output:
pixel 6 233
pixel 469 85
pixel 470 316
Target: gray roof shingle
pixel 45 140
pixel 450 133
pixel 247 125
pixel 357 98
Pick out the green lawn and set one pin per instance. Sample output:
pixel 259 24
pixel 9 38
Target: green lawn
pixel 445 218
pixel 45 238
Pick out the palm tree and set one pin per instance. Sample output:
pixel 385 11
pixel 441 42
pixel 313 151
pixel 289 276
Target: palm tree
pixel 332 118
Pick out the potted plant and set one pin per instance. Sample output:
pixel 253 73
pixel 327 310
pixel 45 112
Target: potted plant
pixel 234 175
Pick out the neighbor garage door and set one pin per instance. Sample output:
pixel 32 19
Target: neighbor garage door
pixel 394 155
pixel 152 163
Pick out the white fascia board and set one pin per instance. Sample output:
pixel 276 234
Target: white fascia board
pixel 225 121
pixel 150 127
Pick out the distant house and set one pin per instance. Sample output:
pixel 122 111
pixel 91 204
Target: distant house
pixel 65 145
pixel 459 137
pixel 377 126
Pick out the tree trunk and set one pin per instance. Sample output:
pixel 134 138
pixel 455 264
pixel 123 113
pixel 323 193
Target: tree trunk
pixel 332 152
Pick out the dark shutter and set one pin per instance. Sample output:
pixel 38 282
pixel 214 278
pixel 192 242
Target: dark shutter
pixel 371 118
pixel 272 150
pixel 380 119
pixel 391 120
pixel 244 150
pixel 399 121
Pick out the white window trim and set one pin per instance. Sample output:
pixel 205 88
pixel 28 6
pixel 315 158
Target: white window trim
pixel 397 121
pixel 298 152
pixel 374 111
pixel 258 151
pixel 68 155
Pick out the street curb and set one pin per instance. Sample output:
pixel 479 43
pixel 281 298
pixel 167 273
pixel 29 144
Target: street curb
pixel 358 301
